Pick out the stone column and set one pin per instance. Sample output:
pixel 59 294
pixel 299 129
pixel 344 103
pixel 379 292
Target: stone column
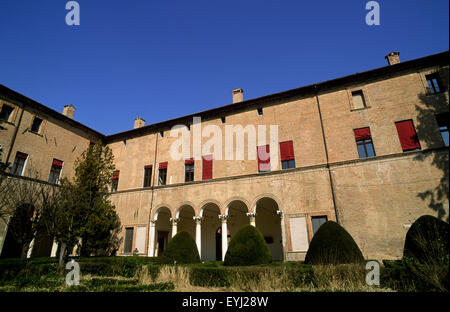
pixel 252 216
pixel 283 232
pixel 54 249
pixel 151 238
pixel 224 219
pixel 198 233
pixel 30 248
pixel 174 225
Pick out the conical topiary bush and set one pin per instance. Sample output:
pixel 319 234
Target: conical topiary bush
pixel 427 241
pixel 182 249
pixel 247 247
pixel 332 244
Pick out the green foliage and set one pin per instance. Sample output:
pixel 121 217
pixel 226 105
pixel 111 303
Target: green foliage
pixel 427 241
pixel 182 249
pixel 209 276
pixel 332 244
pixel 82 208
pixel 247 247
pixel 406 275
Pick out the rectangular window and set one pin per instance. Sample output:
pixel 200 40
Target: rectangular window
pixel 407 135
pixel 162 178
pixel 128 244
pixel 358 99
pixel 260 111
pixel 317 222
pixel 207 166
pixel 6 112
pixel 263 158
pixel 189 170
pixel 442 120
pixel 19 163
pixel 55 171
pixel 287 155
pixel 364 142
pixel 36 125
pixel 115 181
pixel 434 83
pixel 148 175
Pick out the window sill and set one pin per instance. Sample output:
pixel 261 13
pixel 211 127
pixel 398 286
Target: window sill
pixel 359 109
pixel 7 122
pixel 36 133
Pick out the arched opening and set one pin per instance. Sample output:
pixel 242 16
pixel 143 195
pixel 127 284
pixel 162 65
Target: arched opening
pixel 186 222
pixel 237 216
pixel 20 233
pixel 210 213
pixel 269 223
pixel 163 229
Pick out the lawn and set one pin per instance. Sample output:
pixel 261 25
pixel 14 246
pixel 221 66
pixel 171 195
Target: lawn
pixel 142 274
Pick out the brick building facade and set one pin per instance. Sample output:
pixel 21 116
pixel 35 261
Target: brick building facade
pixel 368 150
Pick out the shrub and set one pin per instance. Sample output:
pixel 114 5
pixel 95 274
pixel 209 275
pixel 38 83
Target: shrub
pixel 332 244
pixel 182 249
pixel 247 247
pixel 427 241
pixel 209 277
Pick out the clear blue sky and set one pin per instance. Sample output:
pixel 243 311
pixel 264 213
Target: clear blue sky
pixel 165 59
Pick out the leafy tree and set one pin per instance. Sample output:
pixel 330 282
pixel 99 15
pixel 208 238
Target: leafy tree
pixel 82 209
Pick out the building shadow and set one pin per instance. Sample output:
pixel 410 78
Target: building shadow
pixel 432 117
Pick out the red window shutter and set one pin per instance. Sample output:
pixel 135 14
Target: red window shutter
pixel 163 165
pixel 287 151
pixel 148 167
pixel 207 167
pixel 362 134
pixel 22 155
pixel 407 135
pixel 189 161
pixel 116 174
pixel 57 163
pixel 263 158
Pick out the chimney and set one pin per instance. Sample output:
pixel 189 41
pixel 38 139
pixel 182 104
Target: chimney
pixel 393 58
pixel 68 111
pixel 238 95
pixel 139 122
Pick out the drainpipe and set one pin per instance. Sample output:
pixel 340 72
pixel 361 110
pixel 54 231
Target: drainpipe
pixel 153 189
pixel 14 135
pixel 326 154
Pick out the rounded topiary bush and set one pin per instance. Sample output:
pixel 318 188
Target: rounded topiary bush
pixel 182 249
pixel 332 244
pixel 247 247
pixel 427 241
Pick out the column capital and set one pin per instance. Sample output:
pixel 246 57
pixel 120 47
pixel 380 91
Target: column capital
pixel 223 218
pixel 197 219
pixel 152 222
pixel 174 220
pixel 280 213
pixel 251 214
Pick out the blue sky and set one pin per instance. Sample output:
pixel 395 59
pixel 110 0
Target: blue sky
pixel 165 59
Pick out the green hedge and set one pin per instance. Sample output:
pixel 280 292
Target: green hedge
pixel 332 244
pixel 182 249
pixel 427 241
pixel 247 247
